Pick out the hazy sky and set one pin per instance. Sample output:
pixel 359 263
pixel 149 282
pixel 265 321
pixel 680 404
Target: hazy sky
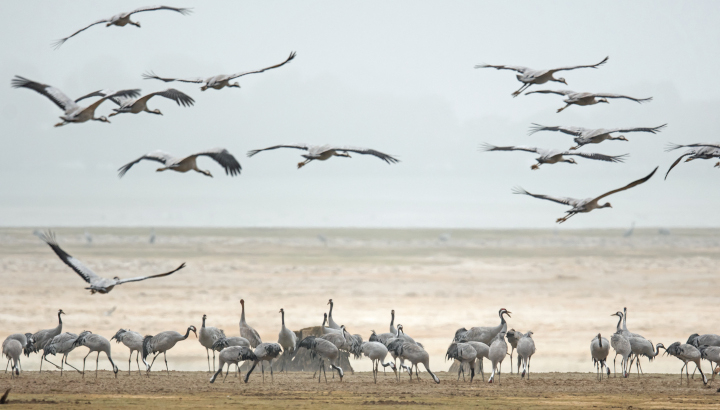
pixel 395 76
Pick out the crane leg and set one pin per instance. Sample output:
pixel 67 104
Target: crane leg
pixel 482 371
pixel 83 372
pixel 153 362
pixel 511 366
pixel 97 363
pixel 472 372
pixel 226 373
pixel 66 362
pixel 137 357
pixel 6 366
pixel 560 110
pixel 130 364
pixel 214 360
pixel 324 372
pixel 272 379
pixel 681 371
pixel 528 362
pixel 262 368
pixel 319 372
pixel 166 365
pixel 208 358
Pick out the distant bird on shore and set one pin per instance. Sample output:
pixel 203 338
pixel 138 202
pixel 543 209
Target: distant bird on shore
pixel 95 343
pixel 583 205
pixel 599 350
pixel 553 156
pixel 483 334
pixel 121 20
pixel 696 151
pixel 232 355
pixel 133 341
pixel 246 330
pixel 220 155
pixel 687 354
pixel 43 337
pixel 584 136
pixel 324 152
pixel 73 112
pixel 138 105
pixel 528 76
pixel 207 338
pixel 575 98
pixel 97 283
pixel 161 343
pixel 219 81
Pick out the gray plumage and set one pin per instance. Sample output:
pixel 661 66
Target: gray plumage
pixel 697 152
pixel 377 352
pixel 526 348
pixel 392 321
pixel 43 337
pixel 232 355
pixel 463 353
pixel 483 334
pixel 331 322
pixel 324 152
pixel 121 20
pixel 599 350
pixel 584 136
pixel 265 352
pixel 415 354
pixel 25 341
pixel 528 76
pixel 73 112
pixel 207 337
pixel 220 155
pixel 583 98
pixel 711 354
pixel 325 350
pixel 12 349
pixel 62 344
pixel 642 347
pixel 583 205
pixel 133 341
pixel 512 337
pixel 133 105
pixel 225 342
pixel 483 352
pixel 97 283
pixel 625 330
pixel 219 81
pixel 497 353
pixel 706 339
pixel 553 156
pixel 246 330
pixel 622 347
pixel 161 343
pixel 95 343
pixel 286 338
pixel 686 353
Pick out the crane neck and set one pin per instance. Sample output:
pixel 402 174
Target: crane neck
pixel 624 318
pixel 392 318
pixel 331 306
pixel 600 341
pixel 187 333
pixel 203 325
pixel 619 323
pixel 283 317
pixel 242 313
pixel 323 323
pixel 60 319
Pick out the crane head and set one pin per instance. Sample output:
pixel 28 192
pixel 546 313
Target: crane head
pixel 193 329
pixel 330 302
pixel 60 312
pixel 281 310
pixel 603 100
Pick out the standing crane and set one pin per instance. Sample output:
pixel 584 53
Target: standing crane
pixel 12 349
pixel 497 353
pixel 63 344
pixel 207 337
pixel 265 352
pixel 95 343
pixel 599 350
pixel 161 343
pixel 232 355
pixel 43 337
pixel 513 336
pixel 246 331
pixel 331 322
pixel 483 334
pixel 377 352
pixel 415 354
pixel 463 353
pixel 133 341
pixel 287 339
pixel 526 348
pixel 26 342
pixel 686 353
pixel 326 351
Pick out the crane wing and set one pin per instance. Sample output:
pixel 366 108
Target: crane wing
pixel 637 100
pixel 183 11
pixel 115 96
pixel 628 186
pixel 519 69
pixel 367 151
pixel 575 67
pixel 56 44
pixel 54 94
pixel 677 161
pixel 672 146
pixel 236 75
pixel 558 92
pixel 558 199
pixel 139 278
pixel 225 159
pixel 152 76
pixel 179 97
pixel 653 130
pixel 86 273
pixel 576 131
pixel 595 156
pixel 158 156
pixel 296 146
pixel 488 147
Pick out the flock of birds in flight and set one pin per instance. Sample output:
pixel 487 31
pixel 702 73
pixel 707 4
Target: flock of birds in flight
pixel 129 101
pixel 468 346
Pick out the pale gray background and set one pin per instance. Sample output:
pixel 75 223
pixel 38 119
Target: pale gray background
pixel 395 76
